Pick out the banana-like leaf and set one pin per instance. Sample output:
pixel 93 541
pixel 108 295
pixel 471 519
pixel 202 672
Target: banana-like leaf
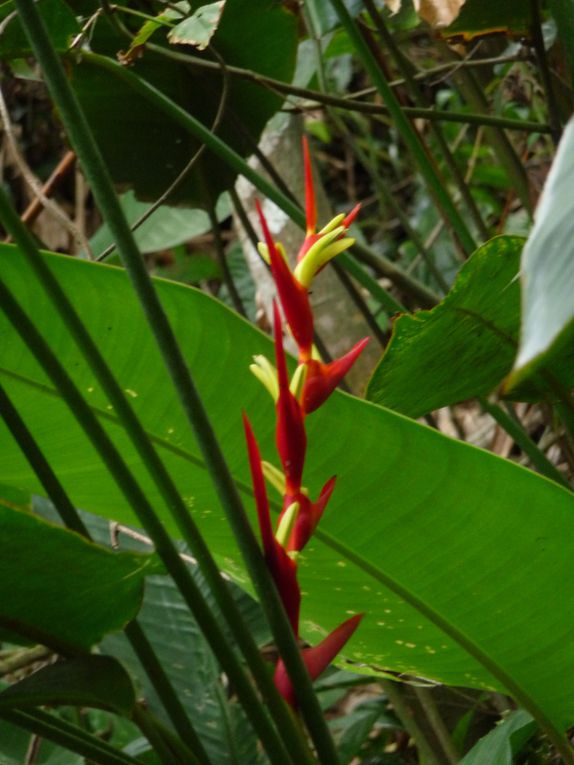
pixel 60 590
pixel 459 559
pixel 87 681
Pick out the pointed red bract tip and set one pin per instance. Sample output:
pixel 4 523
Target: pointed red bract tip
pixel 266 233
pixel 352 215
pixel 310 204
pixel 322 379
pixel 317 658
pixel 309 515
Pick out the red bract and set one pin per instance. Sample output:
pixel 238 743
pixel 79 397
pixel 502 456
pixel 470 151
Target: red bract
pixel 290 434
pixel 293 295
pixel 308 516
pixel 322 379
pixel 282 568
pixel 317 658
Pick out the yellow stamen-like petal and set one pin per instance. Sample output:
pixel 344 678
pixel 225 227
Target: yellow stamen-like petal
pixel 274 476
pixel 333 223
pixel 266 373
pixel 286 524
pixel 319 254
pixel 297 380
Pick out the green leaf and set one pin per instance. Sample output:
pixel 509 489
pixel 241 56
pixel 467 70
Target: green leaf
pixel 547 273
pixel 456 557
pixel 498 746
pixel 461 348
pixel 57 17
pixel 87 681
pixel 199 28
pixel 167 227
pixel 478 18
pixel 260 35
pixel 58 589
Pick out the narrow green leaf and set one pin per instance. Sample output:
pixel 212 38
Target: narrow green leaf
pixel 60 590
pixel 547 271
pixel 87 681
pixel 422 533
pixel 498 746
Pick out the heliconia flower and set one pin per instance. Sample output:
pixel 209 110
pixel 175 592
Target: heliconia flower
pixel 319 248
pixel 316 658
pixel 308 516
pixel 281 567
pixel 293 295
pixel 290 433
pixel 322 379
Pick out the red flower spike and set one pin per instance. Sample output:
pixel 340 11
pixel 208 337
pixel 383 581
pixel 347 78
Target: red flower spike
pixel 309 515
pixel 290 434
pixel 293 296
pixel 351 216
pixel 281 567
pixel 317 658
pixel 322 379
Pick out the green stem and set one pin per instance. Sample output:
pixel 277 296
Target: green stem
pixel 167 754
pixel 538 40
pixel 352 104
pixel 284 202
pixel 145 513
pixel 69 515
pixel 404 67
pixel 405 129
pixel 393 692
pixel 69 736
pixel 437 724
pixel 502 147
pixel 514 429
pixel 100 183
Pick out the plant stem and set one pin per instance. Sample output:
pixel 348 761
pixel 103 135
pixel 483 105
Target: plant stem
pixel 405 69
pixel 100 183
pixel 350 104
pixel 69 736
pixel 405 128
pixel 514 429
pixel 148 519
pixel 405 715
pixel 440 730
pixel 538 40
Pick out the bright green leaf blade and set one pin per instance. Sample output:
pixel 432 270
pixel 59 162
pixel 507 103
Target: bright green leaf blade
pixel 498 746
pixel 87 681
pixel 15 745
pixel 200 27
pixel 461 348
pixel 547 269
pixel 60 590
pixel 438 543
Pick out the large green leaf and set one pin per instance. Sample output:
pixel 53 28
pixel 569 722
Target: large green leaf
pixel 457 558
pixel 498 746
pixel 547 270
pixel 461 348
pixel 144 149
pixel 58 589
pixel 88 681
